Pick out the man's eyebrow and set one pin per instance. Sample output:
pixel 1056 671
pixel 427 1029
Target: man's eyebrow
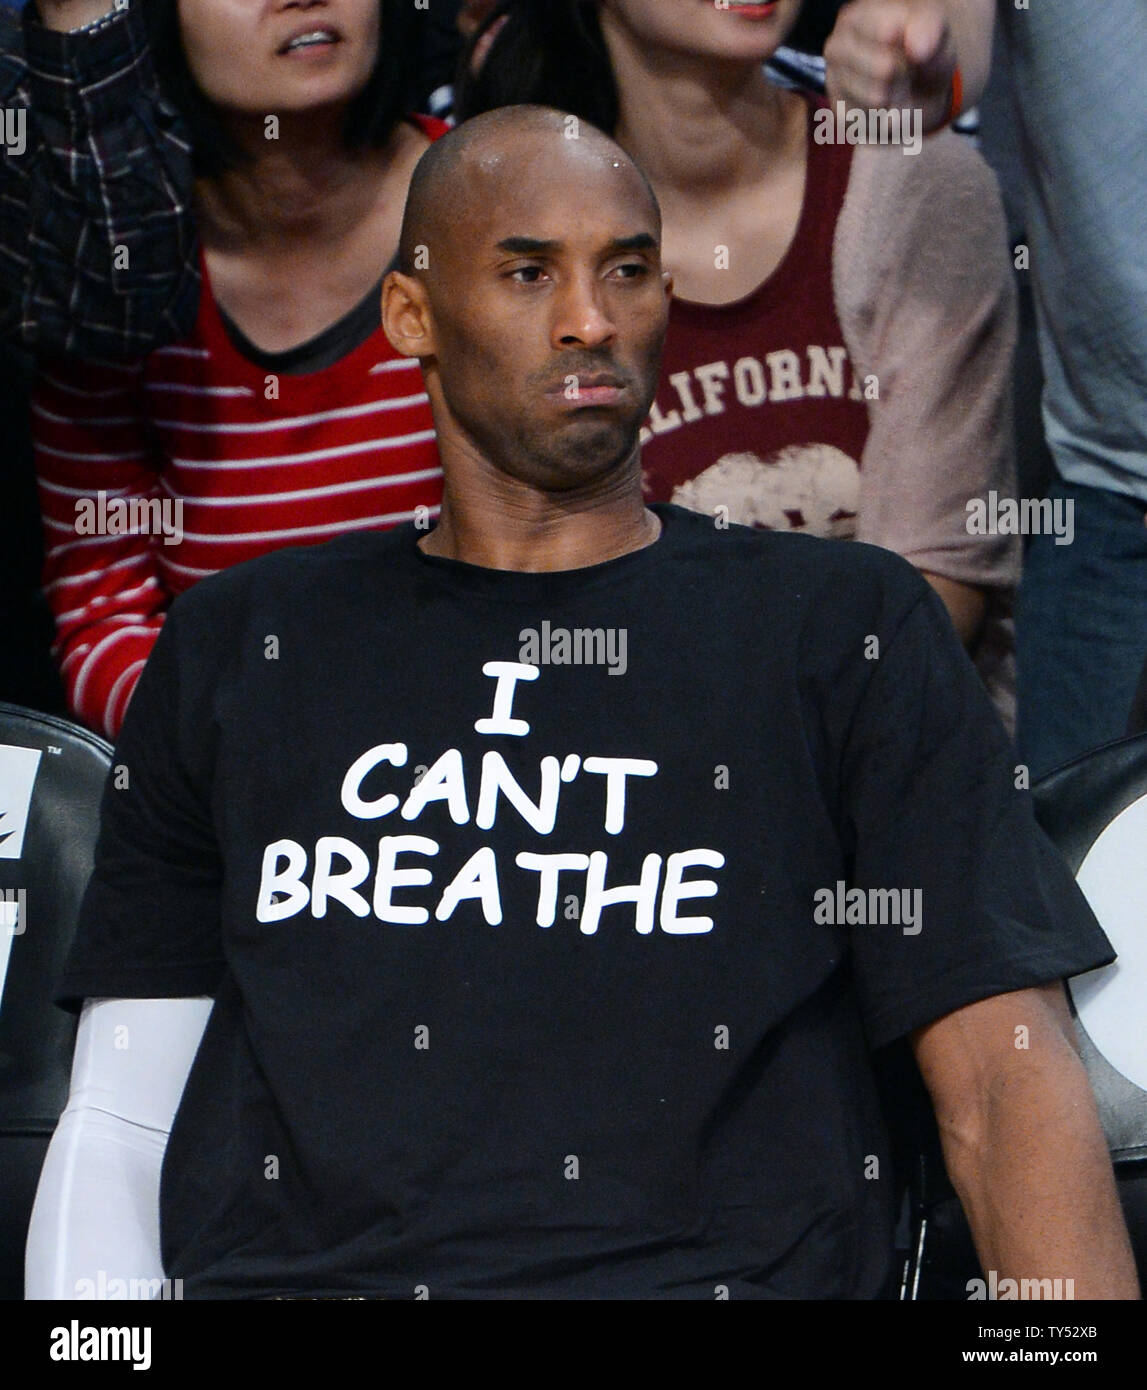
pixel 526 246
pixel 641 241
pixel 533 246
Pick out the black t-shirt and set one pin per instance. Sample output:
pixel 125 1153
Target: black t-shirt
pixel 530 982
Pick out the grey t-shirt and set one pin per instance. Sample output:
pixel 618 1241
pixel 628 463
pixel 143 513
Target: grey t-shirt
pixel 1080 79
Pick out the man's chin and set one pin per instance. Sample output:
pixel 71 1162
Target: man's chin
pixel 590 449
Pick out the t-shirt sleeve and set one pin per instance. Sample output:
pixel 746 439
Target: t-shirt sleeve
pixel 149 923
pixel 931 806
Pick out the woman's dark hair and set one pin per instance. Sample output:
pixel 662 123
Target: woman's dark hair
pixel 552 53
pixel 370 118
pixel 549 53
pixel 817 18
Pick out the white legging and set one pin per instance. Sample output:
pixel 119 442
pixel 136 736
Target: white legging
pixel 96 1214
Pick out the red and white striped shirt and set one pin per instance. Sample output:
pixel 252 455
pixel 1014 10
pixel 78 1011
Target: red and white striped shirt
pixel 258 462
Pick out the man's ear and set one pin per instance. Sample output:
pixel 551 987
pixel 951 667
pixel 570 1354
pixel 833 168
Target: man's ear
pixel 667 281
pixel 406 317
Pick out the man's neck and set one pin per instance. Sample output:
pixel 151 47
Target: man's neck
pixel 506 525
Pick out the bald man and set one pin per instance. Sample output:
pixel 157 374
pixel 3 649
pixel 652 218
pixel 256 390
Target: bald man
pixel 546 880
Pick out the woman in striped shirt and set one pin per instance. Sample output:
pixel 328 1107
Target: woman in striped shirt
pixel 285 417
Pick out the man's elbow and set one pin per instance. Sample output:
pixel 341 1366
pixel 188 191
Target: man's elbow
pixel 967 606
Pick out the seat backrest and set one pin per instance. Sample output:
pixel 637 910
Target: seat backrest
pixel 52 775
pixel 1095 811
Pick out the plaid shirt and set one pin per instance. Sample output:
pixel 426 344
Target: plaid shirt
pixel 98 253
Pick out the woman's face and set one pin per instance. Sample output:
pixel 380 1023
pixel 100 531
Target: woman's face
pixel 264 57
pixel 705 28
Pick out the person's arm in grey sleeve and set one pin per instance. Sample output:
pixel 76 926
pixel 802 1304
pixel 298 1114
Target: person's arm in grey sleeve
pixel 96 1214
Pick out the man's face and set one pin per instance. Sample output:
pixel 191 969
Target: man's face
pixel 549 310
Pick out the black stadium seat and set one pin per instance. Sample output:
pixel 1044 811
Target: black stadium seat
pixel 52 775
pixel 1078 806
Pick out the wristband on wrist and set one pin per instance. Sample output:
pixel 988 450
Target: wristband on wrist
pixel 957 103
pixel 957 95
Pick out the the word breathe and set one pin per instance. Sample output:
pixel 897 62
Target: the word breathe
pixel 875 126
pixel 291 880
pixel 14 129
pixel 1026 516
pixel 579 646
pixel 859 907
pixel 102 515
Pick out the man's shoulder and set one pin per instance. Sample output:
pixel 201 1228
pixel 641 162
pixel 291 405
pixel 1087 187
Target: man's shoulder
pixel 296 573
pixel 840 571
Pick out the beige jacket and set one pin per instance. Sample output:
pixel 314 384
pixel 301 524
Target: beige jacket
pixel 926 299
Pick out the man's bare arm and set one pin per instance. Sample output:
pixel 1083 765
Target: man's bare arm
pixel 967 605
pixel 1023 1144
pixel 904 52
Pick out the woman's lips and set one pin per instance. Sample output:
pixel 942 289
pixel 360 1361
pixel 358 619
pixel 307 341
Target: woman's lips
pixel 752 11
pixel 316 40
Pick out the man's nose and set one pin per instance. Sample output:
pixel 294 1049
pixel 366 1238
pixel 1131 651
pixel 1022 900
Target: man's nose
pixel 581 317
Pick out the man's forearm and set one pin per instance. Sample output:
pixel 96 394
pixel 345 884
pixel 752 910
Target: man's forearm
pixel 967 605
pixel 1036 1182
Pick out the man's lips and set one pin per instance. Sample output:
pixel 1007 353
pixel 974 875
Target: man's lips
pixel 588 390
pixel 753 11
